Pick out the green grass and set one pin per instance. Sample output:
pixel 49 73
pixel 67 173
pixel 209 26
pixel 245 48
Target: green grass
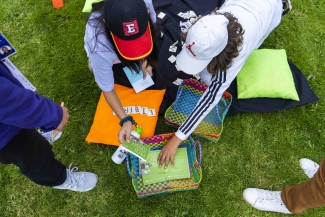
pixel 255 150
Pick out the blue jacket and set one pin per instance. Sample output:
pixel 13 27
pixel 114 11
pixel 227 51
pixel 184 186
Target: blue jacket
pixel 23 109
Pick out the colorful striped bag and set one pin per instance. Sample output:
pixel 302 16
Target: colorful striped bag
pixel 188 94
pixel 157 142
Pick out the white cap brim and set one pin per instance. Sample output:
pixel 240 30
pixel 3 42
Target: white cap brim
pixel 189 64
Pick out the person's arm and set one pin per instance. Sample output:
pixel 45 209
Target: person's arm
pixel 151 9
pixel 114 102
pixel 25 109
pixel 207 102
pixel 101 63
pixel 211 97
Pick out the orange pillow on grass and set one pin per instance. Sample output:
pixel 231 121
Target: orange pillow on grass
pixel 143 107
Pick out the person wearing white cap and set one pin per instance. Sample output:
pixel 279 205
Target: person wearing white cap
pixel 217 46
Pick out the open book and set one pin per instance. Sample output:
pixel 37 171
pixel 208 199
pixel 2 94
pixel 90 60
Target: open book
pixel 151 173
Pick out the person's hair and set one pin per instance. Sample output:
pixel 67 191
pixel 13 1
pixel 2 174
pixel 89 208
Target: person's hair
pixel 101 28
pixel 224 60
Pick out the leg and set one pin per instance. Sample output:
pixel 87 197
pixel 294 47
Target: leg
pixel 32 153
pixel 306 195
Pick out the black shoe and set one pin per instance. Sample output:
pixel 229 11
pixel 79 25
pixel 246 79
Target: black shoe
pixel 286 7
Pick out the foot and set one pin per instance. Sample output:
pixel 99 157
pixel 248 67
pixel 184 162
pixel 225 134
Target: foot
pixel 310 167
pixel 51 136
pixel 78 181
pixel 265 200
pixel 286 7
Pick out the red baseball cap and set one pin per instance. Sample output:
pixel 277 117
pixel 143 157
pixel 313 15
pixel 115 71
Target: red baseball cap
pixel 128 22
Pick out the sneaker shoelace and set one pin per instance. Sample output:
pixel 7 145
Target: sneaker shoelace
pixel 270 197
pixel 73 178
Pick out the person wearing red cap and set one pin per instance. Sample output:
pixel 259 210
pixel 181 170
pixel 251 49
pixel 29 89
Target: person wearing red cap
pixel 217 46
pixel 120 33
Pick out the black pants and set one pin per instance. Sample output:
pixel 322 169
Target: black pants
pixel 121 78
pixel 32 153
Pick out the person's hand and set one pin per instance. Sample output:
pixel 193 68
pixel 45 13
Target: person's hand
pixel 146 69
pixel 151 10
pixel 65 118
pixel 125 132
pixel 168 152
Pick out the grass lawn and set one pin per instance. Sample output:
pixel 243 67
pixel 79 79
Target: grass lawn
pixel 255 150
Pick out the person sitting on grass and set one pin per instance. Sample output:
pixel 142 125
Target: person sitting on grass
pixel 21 111
pixel 120 33
pixel 217 46
pixel 292 199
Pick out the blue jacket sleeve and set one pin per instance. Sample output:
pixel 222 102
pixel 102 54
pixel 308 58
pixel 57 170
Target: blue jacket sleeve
pixel 25 109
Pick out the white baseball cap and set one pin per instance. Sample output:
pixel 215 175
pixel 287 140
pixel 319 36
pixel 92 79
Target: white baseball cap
pixel 205 40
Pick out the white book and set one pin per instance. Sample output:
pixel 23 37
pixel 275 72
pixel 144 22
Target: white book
pixel 136 79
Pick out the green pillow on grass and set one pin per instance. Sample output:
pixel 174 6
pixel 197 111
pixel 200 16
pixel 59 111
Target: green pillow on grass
pixel 266 73
pixel 87 7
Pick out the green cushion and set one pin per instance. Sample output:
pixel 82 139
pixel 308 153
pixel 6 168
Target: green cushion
pixel 87 7
pixel 266 73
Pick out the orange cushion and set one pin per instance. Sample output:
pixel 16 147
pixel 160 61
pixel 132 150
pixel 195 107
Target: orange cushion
pixel 143 107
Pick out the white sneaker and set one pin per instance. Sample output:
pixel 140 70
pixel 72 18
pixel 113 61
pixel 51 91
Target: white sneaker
pixel 78 181
pixel 310 167
pixel 48 135
pixel 265 200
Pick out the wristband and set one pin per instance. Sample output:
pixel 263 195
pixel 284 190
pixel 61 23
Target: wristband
pixel 127 118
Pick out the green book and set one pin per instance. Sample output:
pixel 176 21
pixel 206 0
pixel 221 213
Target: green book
pixel 151 173
pixel 137 148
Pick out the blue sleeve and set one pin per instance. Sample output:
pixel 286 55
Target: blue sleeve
pixel 25 109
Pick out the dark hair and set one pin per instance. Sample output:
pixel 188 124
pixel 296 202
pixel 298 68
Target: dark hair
pixel 101 28
pixel 224 60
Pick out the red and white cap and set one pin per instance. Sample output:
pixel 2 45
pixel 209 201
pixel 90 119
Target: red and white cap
pixel 128 22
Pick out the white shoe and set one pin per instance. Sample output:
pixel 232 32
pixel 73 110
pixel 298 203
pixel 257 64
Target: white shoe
pixel 51 136
pixel 265 200
pixel 78 181
pixel 310 167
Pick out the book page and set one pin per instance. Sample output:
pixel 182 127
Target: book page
pixel 137 148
